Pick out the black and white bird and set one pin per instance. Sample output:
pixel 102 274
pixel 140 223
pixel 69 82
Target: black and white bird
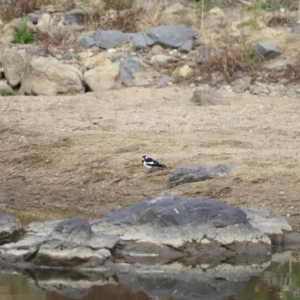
pixel 149 163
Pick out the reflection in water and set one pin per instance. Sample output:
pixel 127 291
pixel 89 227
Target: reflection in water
pixel 278 281
pixel 108 292
pixel 17 287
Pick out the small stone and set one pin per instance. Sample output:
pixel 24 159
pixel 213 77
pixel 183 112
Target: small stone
pixel 157 49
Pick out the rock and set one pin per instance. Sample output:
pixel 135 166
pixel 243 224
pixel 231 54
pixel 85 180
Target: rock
pixel 76 230
pixel 141 40
pixel 5 87
pixel 131 65
pixel 97 60
pixel 265 50
pixel 168 225
pixel 110 38
pixel 257 89
pixel 46 76
pixel 240 85
pixel 162 59
pixel 210 97
pixel 203 55
pixel 103 78
pixel 171 35
pixel 98 241
pixel 14 63
pixel 274 227
pixel 22 251
pixel 268 225
pixel 128 67
pixel 57 253
pixel 183 71
pixel 142 79
pixel 187 46
pixel 196 173
pixel 127 79
pixel 33 18
pixel 163 81
pixel 157 49
pixel 42 228
pixel 87 42
pixel 10 228
pixel 7 34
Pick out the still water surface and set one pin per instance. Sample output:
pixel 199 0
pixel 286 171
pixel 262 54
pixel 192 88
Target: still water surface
pixel 278 281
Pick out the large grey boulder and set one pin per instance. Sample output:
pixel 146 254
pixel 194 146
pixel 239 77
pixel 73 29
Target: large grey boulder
pixel 10 228
pixel 14 63
pixel 110 38
pixel 171 35
pixel 168 225
pixel 265 50
pixel 197 173
pixel 49 77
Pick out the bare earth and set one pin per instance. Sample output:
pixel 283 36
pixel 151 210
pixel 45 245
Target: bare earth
pixel 81 155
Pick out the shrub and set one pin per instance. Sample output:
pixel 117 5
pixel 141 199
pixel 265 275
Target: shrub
pixel 232 56
pixel 22 33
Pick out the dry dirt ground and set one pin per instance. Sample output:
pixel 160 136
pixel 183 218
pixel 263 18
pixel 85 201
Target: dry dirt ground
pixel 81 155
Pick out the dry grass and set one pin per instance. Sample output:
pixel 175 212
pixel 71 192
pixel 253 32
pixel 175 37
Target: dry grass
pixel 229 55
pixel 15 8
pixel 125 20
pixel 154 15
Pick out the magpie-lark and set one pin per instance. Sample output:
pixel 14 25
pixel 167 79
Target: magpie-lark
pixel 149 163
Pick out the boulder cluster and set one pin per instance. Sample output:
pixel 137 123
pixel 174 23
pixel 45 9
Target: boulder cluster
pixel 72 60
pixel 158 230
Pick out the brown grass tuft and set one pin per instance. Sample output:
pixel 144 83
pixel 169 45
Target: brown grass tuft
pixel 15 9
pixel 231 55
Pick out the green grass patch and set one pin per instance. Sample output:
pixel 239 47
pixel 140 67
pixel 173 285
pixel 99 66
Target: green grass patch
pixel 7 92
pixel 22 33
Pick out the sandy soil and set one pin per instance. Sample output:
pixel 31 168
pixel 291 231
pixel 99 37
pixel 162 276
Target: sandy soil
pixel 81 156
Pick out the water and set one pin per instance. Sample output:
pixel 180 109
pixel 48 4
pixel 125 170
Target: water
pixel 280 280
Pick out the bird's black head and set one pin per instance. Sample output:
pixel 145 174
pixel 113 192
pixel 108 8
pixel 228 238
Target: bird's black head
pixel 144 157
